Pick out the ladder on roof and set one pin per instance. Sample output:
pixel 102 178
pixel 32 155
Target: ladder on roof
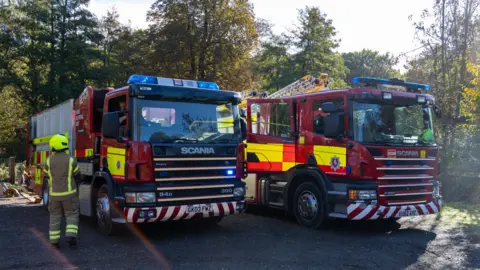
pixel 307 84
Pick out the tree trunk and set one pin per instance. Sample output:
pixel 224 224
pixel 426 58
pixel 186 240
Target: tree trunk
pixel 63 77
pixel 204 46
pixel 51 76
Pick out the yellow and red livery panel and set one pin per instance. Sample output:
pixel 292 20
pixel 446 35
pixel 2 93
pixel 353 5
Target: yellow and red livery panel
pixel 282 157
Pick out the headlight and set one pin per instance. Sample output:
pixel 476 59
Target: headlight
pixel 239 191
pixel 130 197
pixel 140 197
pixel 145 197
pixel 354 194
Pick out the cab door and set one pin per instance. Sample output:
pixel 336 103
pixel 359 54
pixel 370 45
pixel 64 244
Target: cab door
pixel 270 135
pixel 113 153
pixel 329 154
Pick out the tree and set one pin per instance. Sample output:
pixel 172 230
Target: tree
pixel 46 48
pixel 314 41
pixel 449 44
pixel 368 63
pixel 12 129
pixel 204 40
pixel 275 63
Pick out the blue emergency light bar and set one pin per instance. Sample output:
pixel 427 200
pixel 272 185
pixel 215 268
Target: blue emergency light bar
pixel 143 79
pixel 374 81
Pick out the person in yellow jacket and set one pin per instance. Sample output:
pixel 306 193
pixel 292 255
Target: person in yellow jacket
pixel 63 174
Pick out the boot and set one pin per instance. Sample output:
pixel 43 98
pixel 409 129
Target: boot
pixel 56 245
pixel 72 241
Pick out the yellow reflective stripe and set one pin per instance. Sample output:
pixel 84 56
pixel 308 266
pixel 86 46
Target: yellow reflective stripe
pixel 75 170
pixel 54 235
pixel 71 231
pixel 69 179
pixel 63 193
pixel 72 226
pixel 49 176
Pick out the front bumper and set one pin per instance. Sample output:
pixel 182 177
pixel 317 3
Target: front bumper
pixel 183 212
pixel 362 211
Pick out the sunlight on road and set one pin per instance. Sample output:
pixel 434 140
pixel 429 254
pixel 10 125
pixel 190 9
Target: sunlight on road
pixel 58 255
pixel 147 243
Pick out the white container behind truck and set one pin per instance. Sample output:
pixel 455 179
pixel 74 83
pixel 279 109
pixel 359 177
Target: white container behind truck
pixel 40 128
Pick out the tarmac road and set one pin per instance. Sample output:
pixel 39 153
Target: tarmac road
pixel 263 240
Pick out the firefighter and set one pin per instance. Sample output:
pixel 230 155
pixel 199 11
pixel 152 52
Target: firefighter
pixel 64 175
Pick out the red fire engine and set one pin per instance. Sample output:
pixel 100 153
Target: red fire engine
pixel 361 153
pixel 158 149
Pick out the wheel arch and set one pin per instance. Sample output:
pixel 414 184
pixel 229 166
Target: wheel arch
pixel 302 174
pixel 100 178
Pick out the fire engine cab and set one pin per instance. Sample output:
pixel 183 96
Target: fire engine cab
pixel 158 149
pixel 358 154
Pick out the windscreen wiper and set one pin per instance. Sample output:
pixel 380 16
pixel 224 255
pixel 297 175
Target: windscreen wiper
pixel 383 142
pixel 184 139
pixel 224 140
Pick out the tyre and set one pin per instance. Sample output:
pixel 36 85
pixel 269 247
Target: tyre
pixel 103 212
pixel 309 206
pixel 45 195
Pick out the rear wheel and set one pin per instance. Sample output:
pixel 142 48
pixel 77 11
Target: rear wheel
pixel 309 206
pixel 103 211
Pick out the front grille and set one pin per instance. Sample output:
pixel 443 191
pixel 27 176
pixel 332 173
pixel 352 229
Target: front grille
pixel 404 181
pixel 194 180
pixel 185 173
pixel 195 163
pixel 406 198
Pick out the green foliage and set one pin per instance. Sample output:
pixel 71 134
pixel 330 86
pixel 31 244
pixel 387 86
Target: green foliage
pixel 205 40
pixel 4 172
pixel 307 50
pixel 448 62
pixel 47 47
pixel 368 63
pixel 12 128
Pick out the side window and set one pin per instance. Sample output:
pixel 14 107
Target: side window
pixel 119 104
pixel 318 115
pixel 271 119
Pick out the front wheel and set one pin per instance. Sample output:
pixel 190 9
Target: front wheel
pixel 103 213
pixel 309 206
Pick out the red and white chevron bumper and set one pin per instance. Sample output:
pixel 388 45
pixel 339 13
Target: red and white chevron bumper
pixel 181 212
pixel 360 211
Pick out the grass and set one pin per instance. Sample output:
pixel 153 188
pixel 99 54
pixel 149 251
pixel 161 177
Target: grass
pixel 460 214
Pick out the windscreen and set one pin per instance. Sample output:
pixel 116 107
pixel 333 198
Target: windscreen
pixel 393 124
pixel 179 122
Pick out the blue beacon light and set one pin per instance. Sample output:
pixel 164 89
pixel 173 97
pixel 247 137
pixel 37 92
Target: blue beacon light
pixel 396 82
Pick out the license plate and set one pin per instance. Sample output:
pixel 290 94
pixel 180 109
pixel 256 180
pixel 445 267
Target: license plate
pixel 199 208
pixel 408 213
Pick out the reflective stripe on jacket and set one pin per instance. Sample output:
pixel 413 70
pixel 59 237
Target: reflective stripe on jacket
pixel 61 169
